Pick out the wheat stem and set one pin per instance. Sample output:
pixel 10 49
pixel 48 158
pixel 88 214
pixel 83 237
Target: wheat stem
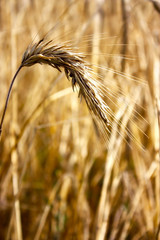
pixel 8 96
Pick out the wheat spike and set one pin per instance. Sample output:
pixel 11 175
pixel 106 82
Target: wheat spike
pixel 77 70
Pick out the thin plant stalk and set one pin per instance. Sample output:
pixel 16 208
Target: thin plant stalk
pixel 8 96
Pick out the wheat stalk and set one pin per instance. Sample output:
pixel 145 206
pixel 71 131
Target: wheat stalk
pixel 77 70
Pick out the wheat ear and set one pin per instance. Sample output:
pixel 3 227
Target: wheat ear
pixel 76 69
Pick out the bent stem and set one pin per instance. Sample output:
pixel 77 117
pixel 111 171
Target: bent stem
pixel 8 96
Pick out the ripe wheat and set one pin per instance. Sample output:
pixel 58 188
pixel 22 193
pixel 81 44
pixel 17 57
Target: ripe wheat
pixel 79 71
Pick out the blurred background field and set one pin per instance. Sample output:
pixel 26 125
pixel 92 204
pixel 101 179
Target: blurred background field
pixel 58 179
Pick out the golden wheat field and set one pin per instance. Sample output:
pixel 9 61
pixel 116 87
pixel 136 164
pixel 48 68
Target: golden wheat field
pixel 80 143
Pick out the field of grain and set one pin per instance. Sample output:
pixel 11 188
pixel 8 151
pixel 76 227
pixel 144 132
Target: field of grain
pixel 64 174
